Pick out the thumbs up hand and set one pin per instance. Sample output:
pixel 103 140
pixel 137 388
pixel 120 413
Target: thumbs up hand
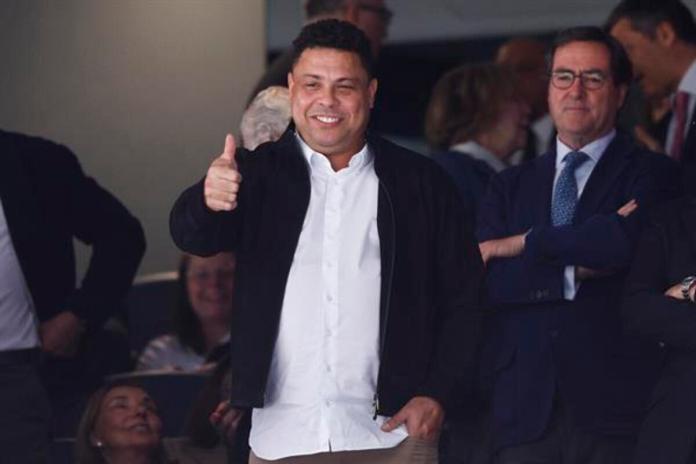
pixel 222 180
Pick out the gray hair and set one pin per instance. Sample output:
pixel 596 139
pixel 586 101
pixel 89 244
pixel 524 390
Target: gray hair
pixel 266 118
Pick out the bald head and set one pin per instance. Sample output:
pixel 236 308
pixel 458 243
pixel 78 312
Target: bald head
pixel 526 57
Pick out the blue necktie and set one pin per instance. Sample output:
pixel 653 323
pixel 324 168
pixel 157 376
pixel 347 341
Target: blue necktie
pixel 565 195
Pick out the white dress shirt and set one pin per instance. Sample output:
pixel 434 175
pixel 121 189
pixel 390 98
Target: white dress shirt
pixel 594 150
pixel 323 375
pixel 18 323
pixel 688 85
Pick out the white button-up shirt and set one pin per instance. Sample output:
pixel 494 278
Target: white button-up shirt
pixel 594 150
pixel 323 376
pixel 18 324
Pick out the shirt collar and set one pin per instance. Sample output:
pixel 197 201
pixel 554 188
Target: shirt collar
pixel 594 149
pixel 688 81
pixel 478 152
pixel 316 160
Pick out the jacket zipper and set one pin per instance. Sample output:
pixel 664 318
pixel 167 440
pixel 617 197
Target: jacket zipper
pixel 383 329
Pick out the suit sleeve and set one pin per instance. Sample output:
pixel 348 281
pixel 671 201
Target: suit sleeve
pixel 117 240
pixel 647 311
pixel 606 241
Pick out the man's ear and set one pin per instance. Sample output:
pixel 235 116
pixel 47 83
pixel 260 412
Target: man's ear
pixel 665 34
pixel 291 82
pixel 623 91
pixel 351 12
pixel 372 89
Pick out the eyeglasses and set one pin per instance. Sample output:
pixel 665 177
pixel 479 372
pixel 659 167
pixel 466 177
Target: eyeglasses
pixel 591 80
pixel 383 12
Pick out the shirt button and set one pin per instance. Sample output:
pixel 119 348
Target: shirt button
pixel 329 298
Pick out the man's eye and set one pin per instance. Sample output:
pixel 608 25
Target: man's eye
pixel 311 85
pixel 594 78
pixel 564 77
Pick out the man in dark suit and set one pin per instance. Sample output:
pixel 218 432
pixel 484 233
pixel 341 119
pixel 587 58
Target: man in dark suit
pixel 45 202
pixel 557 235
pixel 659 306
pixel 660 39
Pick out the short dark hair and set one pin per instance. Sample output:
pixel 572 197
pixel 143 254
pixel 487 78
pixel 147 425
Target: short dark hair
pixel 336 34
pixel 620 65
pixel 645 15
pixel 465 102
pixel 314 8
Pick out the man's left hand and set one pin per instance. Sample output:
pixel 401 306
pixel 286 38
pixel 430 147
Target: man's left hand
pixel 423 417
pixel 507 247
pixel 60 335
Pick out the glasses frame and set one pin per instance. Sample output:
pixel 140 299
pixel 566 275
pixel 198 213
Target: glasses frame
pixel 586 79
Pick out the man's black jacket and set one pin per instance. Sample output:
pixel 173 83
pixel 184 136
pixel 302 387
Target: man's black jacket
pixel 431 268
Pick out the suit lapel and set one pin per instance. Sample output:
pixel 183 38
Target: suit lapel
pixel 689 149
pixel 610 166
pixel 543 186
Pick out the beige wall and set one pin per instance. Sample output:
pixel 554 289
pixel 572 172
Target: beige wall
pixel 143 91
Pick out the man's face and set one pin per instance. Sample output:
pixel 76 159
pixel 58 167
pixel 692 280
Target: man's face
pixel 648 59
pixel 331 97
pixel 582 115
pixel 372 17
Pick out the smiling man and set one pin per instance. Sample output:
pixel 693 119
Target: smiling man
pixel 660 39
pixel 356 308
pixel 557 235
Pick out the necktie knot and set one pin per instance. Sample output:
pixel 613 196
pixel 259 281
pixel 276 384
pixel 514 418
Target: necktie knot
pixel 574 159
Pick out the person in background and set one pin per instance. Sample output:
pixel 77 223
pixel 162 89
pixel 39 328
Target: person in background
pixel 120 425
pixel 266 117
pixel 660 39
pixel 477 120
pixel 201 316
pixel 659 306
pixel 49 324
pixel 370 16
pixel 525 57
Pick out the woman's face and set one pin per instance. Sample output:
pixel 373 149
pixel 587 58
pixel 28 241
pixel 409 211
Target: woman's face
pixel 127 419
pixel 511 126
pixel 210 285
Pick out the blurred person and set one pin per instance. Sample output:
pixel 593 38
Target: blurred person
pixel 370 16
pixel 659 306
pixel 557 235
pixel 660 39
pixel 322 353
pixel 47 322
pixel 476 119
pixel 120 424
pixel 266 117
pixel 525 57
pixel 201 316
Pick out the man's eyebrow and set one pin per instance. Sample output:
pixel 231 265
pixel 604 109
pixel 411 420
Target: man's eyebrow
pixel 591 70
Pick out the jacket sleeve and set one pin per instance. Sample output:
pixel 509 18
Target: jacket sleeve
pixel 647 311
pixel 117 240
pixel 201 231
pixel 459 275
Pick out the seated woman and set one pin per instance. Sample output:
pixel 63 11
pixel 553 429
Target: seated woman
pixel 659 306
pixel 120 425
pixel 201 318
pixel 476 121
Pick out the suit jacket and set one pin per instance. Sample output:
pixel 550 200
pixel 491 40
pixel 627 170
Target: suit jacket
pixel 543 344
pixel 688 156
pixel 667 254
pixel 48 201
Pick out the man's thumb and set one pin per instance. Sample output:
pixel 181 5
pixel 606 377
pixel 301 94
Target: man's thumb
pixel 230 148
